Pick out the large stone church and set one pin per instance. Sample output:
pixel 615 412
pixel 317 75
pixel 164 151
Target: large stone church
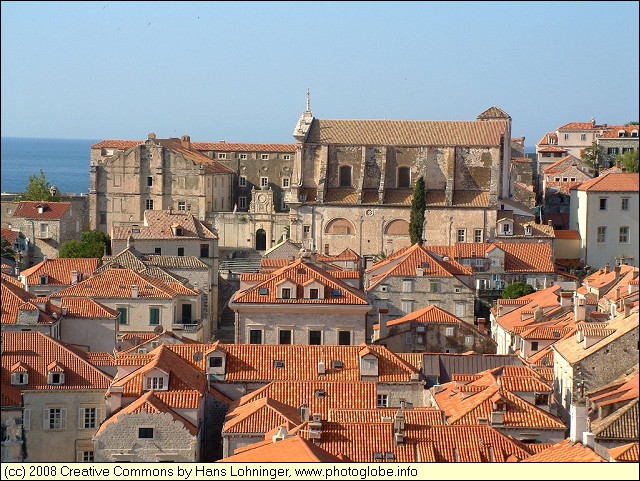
pixel 344 183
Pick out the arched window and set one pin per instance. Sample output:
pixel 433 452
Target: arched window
pixel 340 226
pixel 397 227
pixel 345 176
pixel 404 177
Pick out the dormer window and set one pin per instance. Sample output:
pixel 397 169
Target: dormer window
pixel 528 230
pixel 634 133
pixel 621 133
pixel 313 290
pixel 55 378
pixel 19 378
pixel 368 365
pixel 44 280
pixel 157 383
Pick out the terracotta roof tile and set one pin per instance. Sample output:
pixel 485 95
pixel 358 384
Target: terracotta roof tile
pixel 621 425
pixel 424 416
pixel 429 314
pixel 341 196
pixel 612 183
pixel 552 148
pixel 406 132
pixel 38 352
pixel 301 273
pixel 9 235
pixel 244 147
pixel 566 452
pixel 626 453
pixel 581 126
pixel 260 416
pixel 293 449
pixel 86 307
pixel 116 144
pixel 194 155
pixel 613 132
pixel 158 225
pixel 567 234
pixel 550 138
pixel 14 299
pixel 59 271
pixel 52 210
pixel 346 255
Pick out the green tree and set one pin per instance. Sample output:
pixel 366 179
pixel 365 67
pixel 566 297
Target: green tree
pixel 418 206
pixel 593 155
pixel 517 289
pixel 93 244
pixel 39 189
pixel 7 249
pixel 629 160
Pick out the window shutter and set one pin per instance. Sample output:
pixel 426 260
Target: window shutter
pixel 61 378
pixel 26 419
pixel 63 418
pixel 98 417
pixel 79 456
pixel 45 419
pixel 81 418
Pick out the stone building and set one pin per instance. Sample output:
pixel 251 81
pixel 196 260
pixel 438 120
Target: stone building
pixel 53 275
pixel 618 139
pixel 131 176
pixel 353 180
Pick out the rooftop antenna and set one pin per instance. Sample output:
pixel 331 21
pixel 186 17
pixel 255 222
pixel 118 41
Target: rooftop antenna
pixel 308 100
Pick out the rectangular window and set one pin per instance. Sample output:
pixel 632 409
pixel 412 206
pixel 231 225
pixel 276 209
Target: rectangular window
pixel 624 234
pixel 477 235
pixel 156 383
pixel 407 306
pixel 602 234
pixel 242 181
pixel 145 433
pixel 242 203
pixel 255 336
pixel 434 287
pixel 215 361
pixel 157 250
pixel 583 136
pixel 149 204
pixel 625 203
pixel 264 157
pixel 461 235
pixel 314 294
pixel 285 182
pixel 44 229
pixel 315 338
pixel 449 331
pixel 154 316
pixel 382 401
pixel 286 293
pixel 534 346
pixel 468 341
pixel 460 309
pixel 123 315
pixel 407 286
pixel 284 336
pixel 149 181
pixel 306 231
pixel 466 262
pixel 182 205
pixel 344 338
pixel 286 157
pixel 407 338
pixel 243 156
pixel 613 151
pixel 222 156
pixel 204 250
pixel 181 251
pixel 264 181
pixel 627 149
pixel 86 457
pixel 55 418
pixel 88 418
pixel 603 204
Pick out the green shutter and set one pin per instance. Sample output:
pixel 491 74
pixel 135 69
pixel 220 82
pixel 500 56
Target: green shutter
pixel 154 316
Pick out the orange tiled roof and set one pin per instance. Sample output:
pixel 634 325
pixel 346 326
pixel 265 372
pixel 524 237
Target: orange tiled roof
pixel 423 416
pixel 612 183
pixel 254 362
pixel 431 313
pixel 620 425
pixel 244 147
pixel 14 299
pixel 341 196
pixel 626 453
pixel 624 390
pixel 116 144
pixel 293 449
pixel 546 137
pixel 158 223
pixel 260 416
pixel 86 307
pixel 552 148
pixel 613 132
pixel 301 273
pixel 406 133
pixel 116 283
pixel 41 353
pixel 566 452
pixel 9 235
pixel 100 358
pixel 567 234
pixel 59 271
pixel 580 126
pixel 190 153
pixel 52 210
pixel 345 255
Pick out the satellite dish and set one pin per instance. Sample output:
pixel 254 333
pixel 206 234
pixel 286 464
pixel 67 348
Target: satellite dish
pixel 158 330
pixel 118 346
pixel 197 356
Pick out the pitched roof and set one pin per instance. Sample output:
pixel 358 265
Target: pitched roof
pixel 566 452
pixel 566 234
pixel 625 388
pixel 116 283
pixel 38 353
pixel 14 299
pixel 301 273
pixel 545 139
pixel 52 210
pixel 244 147
pixel 260 416
pixel 346 255
pixel 293 449
pixel 405 133
pixel 581 126
pixel 9 235
pixel 158 225
pixel 255 362
pixel 86 307
pixel 189 152
pixel 613 131
pixel 429 314
pixel 424 416
pixel 58 271
pixel 612 183
pixel 116 144
pixel 625 453
pixel 620 425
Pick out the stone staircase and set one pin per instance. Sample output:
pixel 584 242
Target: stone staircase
pixel 242 262
pixel 226 328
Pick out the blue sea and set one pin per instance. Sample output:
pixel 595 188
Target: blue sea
pixel 65 163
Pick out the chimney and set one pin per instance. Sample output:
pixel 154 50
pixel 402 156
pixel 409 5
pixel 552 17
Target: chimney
pixel 151 136
pixel 280 434
pixel 74 277
pixel 130 241
pixel 497 418
pixel 578 422
pixel 628 303
pixel 398 424
pixel 617 291
pixel 315 427
pixel 589 440
pixel 565 299
pixel 617 270
pixel 322 368
pixel 186 142
pixel 304 413
pixel 579 310
pixel 538 314
pixel 482 325
pixel 607 269
pixel 134 291
pixel 549 223
pixel 482 420
pixel 64 310
pixel 40 208
pixel 383 329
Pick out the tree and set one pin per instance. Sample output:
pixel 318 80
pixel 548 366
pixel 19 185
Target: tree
pixel 418 206
pixel 593 155
pixel 629 160
pixel 7 249
pixel 39 189
pixel 93 244
pixel 517 289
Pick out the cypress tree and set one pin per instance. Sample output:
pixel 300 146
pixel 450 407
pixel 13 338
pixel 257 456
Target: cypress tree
pixel 418 206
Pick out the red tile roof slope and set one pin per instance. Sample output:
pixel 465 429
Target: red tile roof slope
pixel 52 210
pixel 59 271
pixel 566 452
pixel 612 183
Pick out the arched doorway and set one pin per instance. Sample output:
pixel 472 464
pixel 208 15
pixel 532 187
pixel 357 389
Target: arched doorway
pixel 261 240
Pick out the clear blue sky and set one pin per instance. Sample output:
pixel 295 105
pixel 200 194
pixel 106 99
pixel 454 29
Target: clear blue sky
pixel 238 71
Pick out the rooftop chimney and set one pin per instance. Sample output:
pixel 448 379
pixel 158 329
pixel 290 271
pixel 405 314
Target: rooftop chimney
pixel 482 325
pixel 322 368
pixel 565 299
pixel 538 314
pixel 74 277
pixel 304 413
pixel 280 434
pixel 579 310
pixel 618 269
pixel 607 268
pixel 628 303
pixel 578 422
pixel 383 329
pixel 134 291
pixel 186 142
pixel 549 223
pixel 497 418
pixel 40 208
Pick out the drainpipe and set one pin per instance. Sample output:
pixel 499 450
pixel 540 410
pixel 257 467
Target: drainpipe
pixel 450 228
pixel 360 243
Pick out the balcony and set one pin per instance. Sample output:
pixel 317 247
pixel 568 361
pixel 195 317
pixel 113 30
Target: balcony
pixel 188 327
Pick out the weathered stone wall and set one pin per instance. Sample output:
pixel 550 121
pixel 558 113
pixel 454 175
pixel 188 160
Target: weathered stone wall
pixel 435 339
